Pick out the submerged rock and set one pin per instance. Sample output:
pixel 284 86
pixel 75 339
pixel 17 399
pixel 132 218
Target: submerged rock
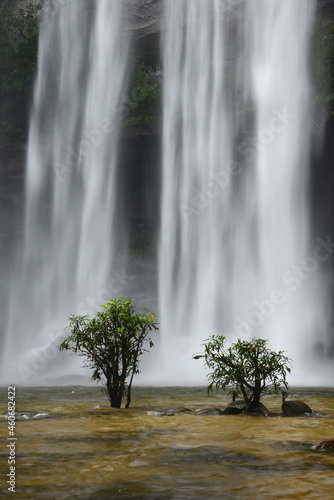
pixel 183 410
pixel 327 445
pixel 261 409
pixel 295 408
pixel 240 403
pixel 232 410
pixel 239 406
pixel 208 411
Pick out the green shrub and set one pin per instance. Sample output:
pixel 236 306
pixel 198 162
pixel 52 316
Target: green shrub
pixel 112 343
pixel 144 99
pixel 249 366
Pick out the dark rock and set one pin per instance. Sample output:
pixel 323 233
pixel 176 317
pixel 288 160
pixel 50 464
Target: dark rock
pixel 146 21
pixel 294 408
pixel 240 403
pixel 326 8
pixel 261 409
pixel 208 411
pixel 231 410
pixel 327 444
pixel 183 410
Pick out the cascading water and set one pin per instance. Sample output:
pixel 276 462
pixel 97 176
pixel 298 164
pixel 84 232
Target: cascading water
pixel 236 252
pixel 236 255
pixel 72 181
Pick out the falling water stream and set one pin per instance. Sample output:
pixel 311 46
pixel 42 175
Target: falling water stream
pixel 72 180
pixel 236 255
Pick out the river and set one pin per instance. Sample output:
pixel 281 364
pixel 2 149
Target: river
pixel 71 444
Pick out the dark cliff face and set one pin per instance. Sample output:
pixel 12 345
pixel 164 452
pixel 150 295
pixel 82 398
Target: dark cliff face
pixel 146 20
pixel 326 8
pixel 322 181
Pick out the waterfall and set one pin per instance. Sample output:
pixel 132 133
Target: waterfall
pixel 72 227
pixel 237 253
pixel 236 250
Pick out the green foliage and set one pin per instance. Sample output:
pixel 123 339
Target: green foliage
pixel 144 100
pixel 112 343
pixel 18 60
pixel 250 367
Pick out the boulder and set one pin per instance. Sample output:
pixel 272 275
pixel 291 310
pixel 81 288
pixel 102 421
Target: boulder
pixel 295 408
pixel 239 406
pixel 231 410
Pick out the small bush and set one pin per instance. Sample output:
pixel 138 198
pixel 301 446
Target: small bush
pixel 249 366
pixel 112 343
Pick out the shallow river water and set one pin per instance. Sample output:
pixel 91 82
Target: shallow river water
pixel 71 444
